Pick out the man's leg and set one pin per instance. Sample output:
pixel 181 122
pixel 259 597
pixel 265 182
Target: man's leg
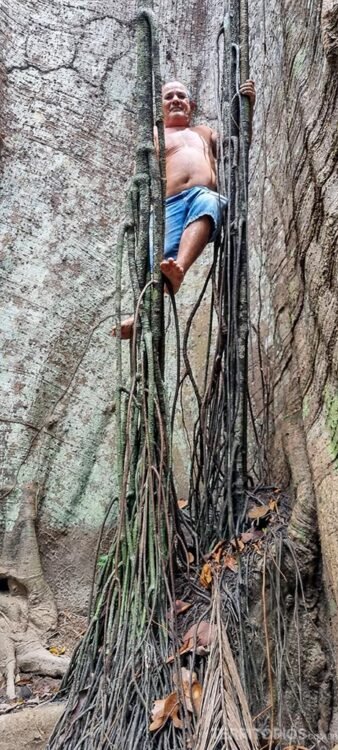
pixel 193 241
pixel 175 216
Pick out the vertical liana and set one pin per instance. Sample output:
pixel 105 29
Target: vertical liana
pixel 120 667
pixel 240 429
pixel 236 126
pixel 218 475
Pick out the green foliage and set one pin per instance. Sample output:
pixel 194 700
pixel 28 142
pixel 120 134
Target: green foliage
pixel 331 421
pixel 102 561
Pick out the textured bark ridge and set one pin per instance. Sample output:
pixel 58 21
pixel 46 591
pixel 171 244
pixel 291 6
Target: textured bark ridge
pixel 294 263
pixel 27 608
pixel 329 23
pixel 67 120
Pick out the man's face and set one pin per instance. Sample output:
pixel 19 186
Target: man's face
pixel 177 107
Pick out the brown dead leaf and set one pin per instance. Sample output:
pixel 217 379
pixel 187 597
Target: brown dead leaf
pixel 23 680
pixel 187 676
pixel 191 558
pixel 206 576
pixel 202 634
pixel 181 606
pixel 231 563
pixel 217 556
pixel 187 646
pixel 273 505
pixel 198 636
pixel 192 690
pixel 217 552
pixel 259 511
pixel 250 535
pixel 57 650
pixel 217 547
pixel 238 543
pixel 196 697
pixel 182 503
pixel 164 709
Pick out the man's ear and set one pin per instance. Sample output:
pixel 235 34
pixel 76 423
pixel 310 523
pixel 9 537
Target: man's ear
pixel 193 105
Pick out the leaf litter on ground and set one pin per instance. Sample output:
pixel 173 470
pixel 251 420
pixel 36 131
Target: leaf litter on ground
pixel 168 707
pixel 199 637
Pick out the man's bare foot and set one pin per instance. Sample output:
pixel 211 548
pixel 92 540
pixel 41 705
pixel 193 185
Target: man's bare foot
pixel 174 272
pixel 127 327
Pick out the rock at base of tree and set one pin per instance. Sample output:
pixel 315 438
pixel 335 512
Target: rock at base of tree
pixel 29 727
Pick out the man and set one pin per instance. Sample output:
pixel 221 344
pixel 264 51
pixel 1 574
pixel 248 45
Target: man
pixel 193 208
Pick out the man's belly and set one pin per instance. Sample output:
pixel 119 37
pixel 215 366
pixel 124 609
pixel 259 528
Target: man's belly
pixel 184 173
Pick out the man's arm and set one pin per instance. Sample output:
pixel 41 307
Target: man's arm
pixel 214 143
pixel 210 136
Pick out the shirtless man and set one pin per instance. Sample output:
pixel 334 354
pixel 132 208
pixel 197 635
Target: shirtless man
pixel 193 208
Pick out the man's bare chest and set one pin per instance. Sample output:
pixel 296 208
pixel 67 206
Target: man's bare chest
pixel 184 138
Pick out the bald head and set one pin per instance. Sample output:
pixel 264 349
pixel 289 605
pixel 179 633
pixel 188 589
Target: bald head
pixel 177 104
pixel 178 84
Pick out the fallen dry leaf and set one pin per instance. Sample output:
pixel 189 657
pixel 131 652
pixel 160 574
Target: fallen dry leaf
pixel 187 676
pixel 57 650
pixel 198 636
pixel 206 576
pixel 259 511
pixel 184 649
pixel 217 556
pixel 182 503
pixel 231 563
pixel 203 633
pixel 250 535
pixel 187 645
pixel 238 543
pixel 191 558
pixel 196 697
pixel 192 690
pixel 181 606
pixel 23 680
pixel 217 547
pixel 164 709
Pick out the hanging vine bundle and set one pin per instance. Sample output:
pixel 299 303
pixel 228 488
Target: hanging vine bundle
pixel 218 472
pixel 119 669
pixel 143 676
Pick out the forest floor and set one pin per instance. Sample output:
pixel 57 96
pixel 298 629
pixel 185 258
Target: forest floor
pixel 27 720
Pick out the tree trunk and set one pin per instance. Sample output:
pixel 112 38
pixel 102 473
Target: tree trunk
pixel 67 135
pixel 294 260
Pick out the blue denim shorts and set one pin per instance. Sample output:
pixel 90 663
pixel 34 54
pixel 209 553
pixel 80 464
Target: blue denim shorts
pixel 184 208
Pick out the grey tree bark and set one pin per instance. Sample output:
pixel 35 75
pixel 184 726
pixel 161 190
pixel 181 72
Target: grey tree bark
pixel 67 124
pixel 294 231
